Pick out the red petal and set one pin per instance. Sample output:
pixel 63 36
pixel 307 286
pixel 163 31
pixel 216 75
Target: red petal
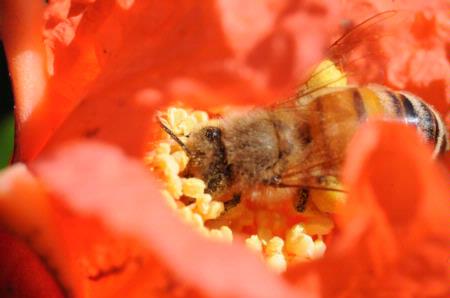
pixel 393 237
pixel 94 179
pixel 22 274
pixel 111 55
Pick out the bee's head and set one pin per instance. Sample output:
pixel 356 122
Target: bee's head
pixel 207 159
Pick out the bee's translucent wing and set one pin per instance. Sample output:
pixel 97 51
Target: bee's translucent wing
pixel 363 52
pixel 359 56
pixel 319 163
pixel 370 29
pixel 320 129
pixel 314 176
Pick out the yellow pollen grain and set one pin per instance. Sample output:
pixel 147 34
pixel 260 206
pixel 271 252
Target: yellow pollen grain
pixel 319 249
pixel 215 233
pixel 253 242
pixel 181 159
pixel 298 243
pixel 215 210
pixel 174 186
pixel 197 220
pixel 227 234
pixel 167 163
pixel 275 245
pixel 200 116
pixel 223 234
pixel 274 254
pixel 163 148
pixel 174 117
pixel 187 125
pixel 202 204
pixel 186 214
pixel 277 262
pixel 193 187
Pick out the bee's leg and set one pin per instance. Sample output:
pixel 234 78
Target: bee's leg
pixel 301 199
pixel 235 200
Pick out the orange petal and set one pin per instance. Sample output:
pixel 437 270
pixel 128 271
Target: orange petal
pixel 21 29
pixel 97 180
pixel 392 240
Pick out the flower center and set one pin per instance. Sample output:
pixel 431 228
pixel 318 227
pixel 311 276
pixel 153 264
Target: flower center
pixel 284 233
pixel 279 232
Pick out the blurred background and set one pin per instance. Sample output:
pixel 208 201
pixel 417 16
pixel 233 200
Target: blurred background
pixel 6 112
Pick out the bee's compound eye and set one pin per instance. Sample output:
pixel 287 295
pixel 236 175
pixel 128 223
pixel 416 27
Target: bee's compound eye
pixel 212 133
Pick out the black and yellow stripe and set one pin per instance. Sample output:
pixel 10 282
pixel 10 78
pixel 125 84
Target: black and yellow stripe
pixel 378 101
pixel 413 111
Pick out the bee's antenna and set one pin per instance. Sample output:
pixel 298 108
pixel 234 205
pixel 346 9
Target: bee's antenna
pixel 174 137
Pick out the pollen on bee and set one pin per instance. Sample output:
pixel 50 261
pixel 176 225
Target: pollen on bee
pixel 328 201
pixel 326 74
pixel 267 233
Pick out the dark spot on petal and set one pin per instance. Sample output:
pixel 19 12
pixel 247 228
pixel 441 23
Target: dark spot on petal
pixel 90 133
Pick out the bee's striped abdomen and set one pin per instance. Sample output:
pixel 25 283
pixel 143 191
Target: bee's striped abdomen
pixel 410 109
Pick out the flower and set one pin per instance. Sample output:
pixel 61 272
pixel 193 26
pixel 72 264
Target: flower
pixel 101 70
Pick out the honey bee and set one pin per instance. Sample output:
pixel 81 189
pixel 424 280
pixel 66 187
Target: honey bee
pixel 286 149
